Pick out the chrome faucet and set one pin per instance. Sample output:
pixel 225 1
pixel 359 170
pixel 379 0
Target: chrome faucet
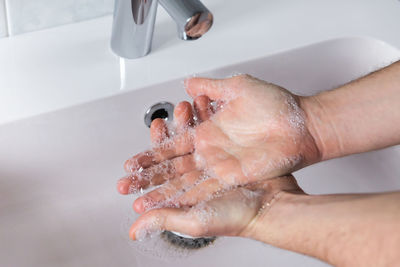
pixel 133 23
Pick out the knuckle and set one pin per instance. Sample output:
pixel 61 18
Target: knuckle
pixel 157 123
pixel 201 101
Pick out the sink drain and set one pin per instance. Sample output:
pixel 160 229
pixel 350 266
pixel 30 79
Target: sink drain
pixel 186 242
pixel 162 110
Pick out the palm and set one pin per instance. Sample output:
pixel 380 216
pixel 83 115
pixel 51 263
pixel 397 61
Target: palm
pixel 258 133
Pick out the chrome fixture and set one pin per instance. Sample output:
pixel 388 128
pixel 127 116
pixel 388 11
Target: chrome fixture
pixel 133 24
pixel 161 110
pixel 187 242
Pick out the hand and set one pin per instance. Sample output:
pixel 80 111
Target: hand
pixel 333 228
pixel 233 213
pixel 256 131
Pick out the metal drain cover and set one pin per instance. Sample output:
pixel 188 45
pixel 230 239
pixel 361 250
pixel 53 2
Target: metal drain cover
pixel 162 110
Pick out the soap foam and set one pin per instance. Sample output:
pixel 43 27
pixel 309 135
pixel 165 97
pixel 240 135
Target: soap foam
pixel 154 243
pixel 151 241
pixel 295 114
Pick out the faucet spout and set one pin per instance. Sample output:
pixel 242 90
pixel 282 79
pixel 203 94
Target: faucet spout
pixel 192 18
pixel 133 26
pixel 133 23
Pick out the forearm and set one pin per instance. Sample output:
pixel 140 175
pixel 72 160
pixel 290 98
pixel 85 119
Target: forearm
pixel 344 230
pixel 361 116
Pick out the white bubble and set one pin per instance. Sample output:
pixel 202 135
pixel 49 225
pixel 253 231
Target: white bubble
pixel 234 74
pixel 204 213
pixel 155 244
pixel 296 114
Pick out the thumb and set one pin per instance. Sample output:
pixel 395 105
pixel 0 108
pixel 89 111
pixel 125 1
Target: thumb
pixel 215 89
pixel 170 219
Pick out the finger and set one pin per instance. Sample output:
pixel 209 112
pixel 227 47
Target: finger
pixel 228 175
pixel 134 182
pixel 165 148
pixel 123 185
pixel 166 170
pixel 170 219
pixel 183 115
pixel 202 106
pixel 204 191
pixel 130 184
pixel 156 174
pixel 213 187
pixel 165 195
pixel 180 145
pixel 142 160
pixel 228 170
pixel 158 131
pixel 213 88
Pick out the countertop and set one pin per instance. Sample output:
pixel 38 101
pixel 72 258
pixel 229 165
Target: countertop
pixel 68 65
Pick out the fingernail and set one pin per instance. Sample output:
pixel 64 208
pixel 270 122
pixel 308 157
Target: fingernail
pixel 140 235
pixel 145 230
pixel 138 205
pixel 132 233
pixel 123 186
pixel 129 165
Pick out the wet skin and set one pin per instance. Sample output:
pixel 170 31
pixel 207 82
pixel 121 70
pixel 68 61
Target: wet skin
pixel 236 142
pixel 345 230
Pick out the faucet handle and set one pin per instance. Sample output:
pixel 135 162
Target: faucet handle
pixel 193 19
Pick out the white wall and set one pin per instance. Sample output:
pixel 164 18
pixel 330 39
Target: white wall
pixel 27 15
pixel 3 19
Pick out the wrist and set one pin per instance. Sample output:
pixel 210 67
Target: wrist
pixel 321 127
pixel 289 222
pixel 276 212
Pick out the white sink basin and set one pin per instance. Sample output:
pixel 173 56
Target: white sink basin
pixel 58 171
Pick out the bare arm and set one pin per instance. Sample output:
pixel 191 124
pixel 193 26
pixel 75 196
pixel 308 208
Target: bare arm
pixel 344 230
pixel 360 116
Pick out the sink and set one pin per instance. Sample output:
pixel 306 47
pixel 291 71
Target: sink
pixel 58 171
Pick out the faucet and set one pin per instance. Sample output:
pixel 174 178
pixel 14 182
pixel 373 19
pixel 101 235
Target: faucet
pixel 133 24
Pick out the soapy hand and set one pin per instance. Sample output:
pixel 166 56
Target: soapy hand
pixel 217 169
pixel 231 213
pixel 246 130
